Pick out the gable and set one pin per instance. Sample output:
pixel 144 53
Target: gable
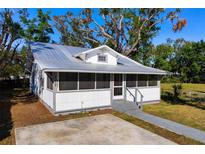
pixel 100 55
pixel 115 57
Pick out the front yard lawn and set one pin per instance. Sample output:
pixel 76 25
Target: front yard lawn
pixel 180 139
pixel 18 108
pixel 190 110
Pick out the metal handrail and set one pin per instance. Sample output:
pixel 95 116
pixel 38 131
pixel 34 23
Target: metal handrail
pixel 134 98
pixel 139 92
pixel 141 97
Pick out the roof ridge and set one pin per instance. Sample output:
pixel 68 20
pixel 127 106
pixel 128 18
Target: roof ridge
pixel 60 45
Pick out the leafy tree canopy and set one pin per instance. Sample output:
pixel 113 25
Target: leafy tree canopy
pixel 126 30
pixel 187 59
pixel 38 28
pixel 10 38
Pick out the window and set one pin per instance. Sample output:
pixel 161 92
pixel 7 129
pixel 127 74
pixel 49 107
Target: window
pixel 51 77
pixel 68 81
pixel 131 80
pixel 86 81
pixel 102 81
pixel 153 80
pixel 102 58
pixel 142 80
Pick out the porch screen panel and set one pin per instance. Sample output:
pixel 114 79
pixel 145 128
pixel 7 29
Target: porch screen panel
pixel 118 80
pixel 102 81
pixel 142 80
pixel 51 77
pixel 68 81
pixel 118 91
pixel 131 80
pixel 86 81
pixel 152 81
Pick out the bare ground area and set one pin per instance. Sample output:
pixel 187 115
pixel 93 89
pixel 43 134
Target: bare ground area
pixel 18 109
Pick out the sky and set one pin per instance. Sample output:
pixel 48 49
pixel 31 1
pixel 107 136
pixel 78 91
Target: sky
pixel 194 30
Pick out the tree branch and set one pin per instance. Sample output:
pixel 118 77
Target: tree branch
pixel 131 50
pixel 104 33
pixel 91 39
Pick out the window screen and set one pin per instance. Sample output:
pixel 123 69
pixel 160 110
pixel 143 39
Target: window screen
pixel 118 80
pixel 142 80
pixel 68 81
pixel 131 80
pixel 51 77
pixel 152 80
pixel 86 81
pixel 102 58
pixel 117 91
pixel 102 81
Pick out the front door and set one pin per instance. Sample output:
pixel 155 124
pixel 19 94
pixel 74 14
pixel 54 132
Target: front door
pixel 118 86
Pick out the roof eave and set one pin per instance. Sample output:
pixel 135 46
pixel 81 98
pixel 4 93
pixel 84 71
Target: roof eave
pixel 100 71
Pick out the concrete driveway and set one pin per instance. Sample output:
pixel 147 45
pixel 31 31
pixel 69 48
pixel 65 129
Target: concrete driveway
pixel 100 129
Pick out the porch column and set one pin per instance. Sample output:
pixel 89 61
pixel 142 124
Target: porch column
pixel 124 85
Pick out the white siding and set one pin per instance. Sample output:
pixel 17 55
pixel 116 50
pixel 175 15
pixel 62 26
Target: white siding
pixel 149 94
pixel 82 99
pixel 110 61
pixel 48 97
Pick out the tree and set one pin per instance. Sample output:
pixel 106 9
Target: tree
pixel 10 38
pixel 191 61
pixel 162 56
pixel 187 59
pixel 37 28
pixel 125 30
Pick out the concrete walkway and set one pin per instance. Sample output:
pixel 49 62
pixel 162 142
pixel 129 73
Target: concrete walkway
pixel 131 109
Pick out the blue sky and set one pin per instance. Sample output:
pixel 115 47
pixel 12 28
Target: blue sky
pixel 194 31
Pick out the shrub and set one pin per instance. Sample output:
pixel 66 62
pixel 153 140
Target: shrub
pixel 177 89
pixel 170 79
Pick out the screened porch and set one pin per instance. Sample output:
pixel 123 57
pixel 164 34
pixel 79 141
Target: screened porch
pixel 74 90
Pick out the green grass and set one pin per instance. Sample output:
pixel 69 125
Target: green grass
pixel 180 139
pixel 187 111
pixel 185 87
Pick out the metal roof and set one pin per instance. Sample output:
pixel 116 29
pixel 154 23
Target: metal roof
pixel 62 58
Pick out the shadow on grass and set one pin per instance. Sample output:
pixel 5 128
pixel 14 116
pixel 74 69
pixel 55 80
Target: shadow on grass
pixel 9 98
pixel 200 91
pixel 194 102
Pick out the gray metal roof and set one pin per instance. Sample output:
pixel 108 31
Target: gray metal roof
pixel 62 58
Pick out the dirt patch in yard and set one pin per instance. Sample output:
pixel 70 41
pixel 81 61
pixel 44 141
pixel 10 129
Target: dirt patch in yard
pixel 18 108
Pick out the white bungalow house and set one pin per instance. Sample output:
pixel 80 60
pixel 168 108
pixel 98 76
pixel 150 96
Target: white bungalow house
pixel 71 79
